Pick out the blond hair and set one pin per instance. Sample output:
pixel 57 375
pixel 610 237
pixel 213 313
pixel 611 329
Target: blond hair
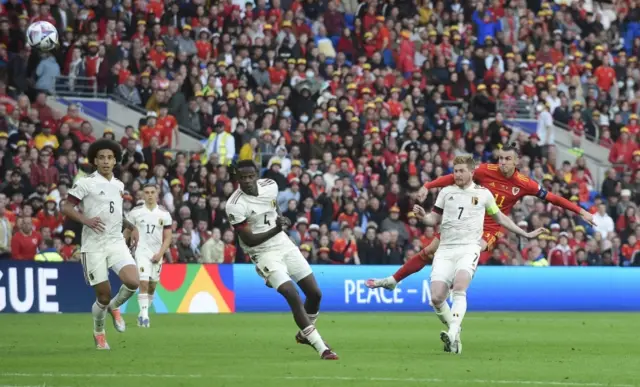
pixel 465 159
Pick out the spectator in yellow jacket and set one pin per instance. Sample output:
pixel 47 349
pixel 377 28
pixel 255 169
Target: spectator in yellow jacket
pixel 46 138
pixel 249 151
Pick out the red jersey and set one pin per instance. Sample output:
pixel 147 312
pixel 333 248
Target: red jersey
pixel 577 127
pixel 67 251
pixel 506 190
pixel 204 49
pixel 147 133
pixel 351 220
pixel 51 221
pixel 25 247
pixel 167 125
pixel 562 256
pixel 229 253
pixel 348 248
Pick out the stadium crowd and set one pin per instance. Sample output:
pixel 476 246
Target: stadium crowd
pixel 350 106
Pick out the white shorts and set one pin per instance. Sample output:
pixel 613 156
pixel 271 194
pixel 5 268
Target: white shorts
pixel 449 260
pixel 96 265
pixel 147 270
pixel 280 266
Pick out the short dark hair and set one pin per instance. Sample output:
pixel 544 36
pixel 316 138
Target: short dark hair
pixel 104 144
pixel 512 146
pixel 150 185
pixel 246 164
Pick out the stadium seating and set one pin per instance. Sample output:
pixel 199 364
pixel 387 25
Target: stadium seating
pixel 338 105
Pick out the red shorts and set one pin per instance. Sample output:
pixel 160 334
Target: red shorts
pixel 491 237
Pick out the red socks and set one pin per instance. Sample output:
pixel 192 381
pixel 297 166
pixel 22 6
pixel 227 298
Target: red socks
pixel 413 265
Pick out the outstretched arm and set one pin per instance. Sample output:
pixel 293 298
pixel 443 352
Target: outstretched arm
pixel 566 204
pixel 507 223
pixel 440 182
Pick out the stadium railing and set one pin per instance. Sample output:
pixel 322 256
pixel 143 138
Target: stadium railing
pixel 139 109
pixel 517 110
pixel 86 87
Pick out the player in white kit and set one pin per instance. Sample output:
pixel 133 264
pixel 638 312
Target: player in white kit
pixel 252 210
pixel 460 210
pixel 103 247
pixel 154 224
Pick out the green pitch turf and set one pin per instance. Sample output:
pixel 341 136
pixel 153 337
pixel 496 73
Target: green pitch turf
pixel 246 350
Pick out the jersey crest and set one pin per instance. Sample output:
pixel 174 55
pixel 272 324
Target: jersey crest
pixel 161 223
pixel 475 200
pixel 515 191
pixel 273 203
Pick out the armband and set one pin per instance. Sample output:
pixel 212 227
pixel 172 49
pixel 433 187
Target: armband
pixel 493 209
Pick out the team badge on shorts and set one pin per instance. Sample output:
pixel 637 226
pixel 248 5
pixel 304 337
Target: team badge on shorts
pixel 475 200
pixel 141 269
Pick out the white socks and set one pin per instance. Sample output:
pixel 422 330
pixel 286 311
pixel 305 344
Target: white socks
pixel 458 310
pixel 98 311
pixel 444 313
pixel 143 302
pixel 313 318
pixel 311 333
pixel 123 295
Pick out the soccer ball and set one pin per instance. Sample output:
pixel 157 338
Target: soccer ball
pixel 42 36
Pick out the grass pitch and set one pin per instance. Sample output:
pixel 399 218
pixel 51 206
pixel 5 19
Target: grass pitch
pixel 500 349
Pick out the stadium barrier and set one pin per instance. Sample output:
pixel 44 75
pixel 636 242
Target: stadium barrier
pixel 60 288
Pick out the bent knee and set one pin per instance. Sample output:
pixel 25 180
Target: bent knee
pixel 438 299
pixel 104 299
pixel 132 283
pixel 288 290
pixel 314 295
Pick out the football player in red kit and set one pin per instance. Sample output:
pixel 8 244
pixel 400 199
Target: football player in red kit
pixel 507 185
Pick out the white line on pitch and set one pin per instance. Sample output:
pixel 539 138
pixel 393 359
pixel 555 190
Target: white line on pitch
pixel 328 378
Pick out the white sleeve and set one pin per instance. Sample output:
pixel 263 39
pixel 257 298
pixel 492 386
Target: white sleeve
pixel 167 220
pixel 440 199
pixel 236 214
pixel 131 218
pixel 80 189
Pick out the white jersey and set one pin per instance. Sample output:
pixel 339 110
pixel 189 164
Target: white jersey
pixel 260 213
pixel 151 225
pixel 463 213
pixel 99 197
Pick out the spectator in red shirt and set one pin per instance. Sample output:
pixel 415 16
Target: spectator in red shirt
pixel 562 255
pixel 24 245
pixel 622 151
pixel 49 216
pixel 86 133
pixel 43 171
pixel 605 76
pixel 151 130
